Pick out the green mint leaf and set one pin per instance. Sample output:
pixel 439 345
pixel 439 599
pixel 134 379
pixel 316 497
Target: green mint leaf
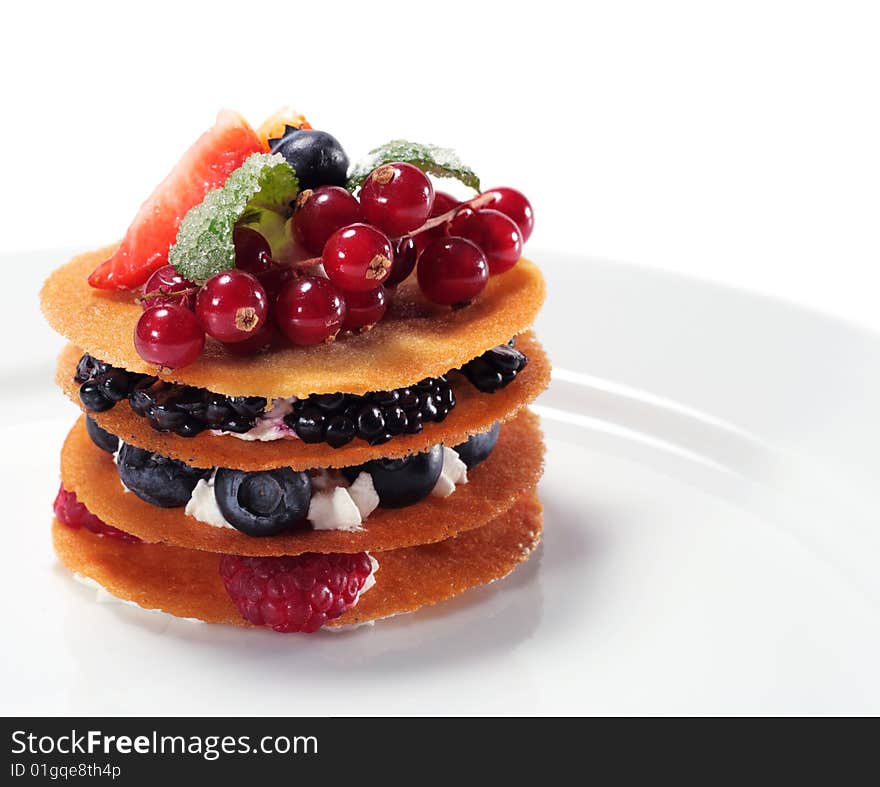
pixel 441 162
pixel 265 183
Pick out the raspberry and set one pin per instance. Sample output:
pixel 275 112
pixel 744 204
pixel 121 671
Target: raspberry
pixel 295 593
pixel 69 511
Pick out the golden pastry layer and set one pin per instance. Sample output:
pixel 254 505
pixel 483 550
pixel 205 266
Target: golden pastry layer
pixel 474 412
pixel 515 465
pixel 416 339
pixel 187 583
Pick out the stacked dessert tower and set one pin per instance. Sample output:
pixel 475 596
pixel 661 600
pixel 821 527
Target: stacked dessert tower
pixel 304 386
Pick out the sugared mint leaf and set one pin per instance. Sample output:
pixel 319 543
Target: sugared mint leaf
pixel 265 182
pixel 441 162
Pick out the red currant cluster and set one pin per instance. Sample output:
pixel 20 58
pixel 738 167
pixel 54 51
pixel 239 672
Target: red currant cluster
pixel 364 248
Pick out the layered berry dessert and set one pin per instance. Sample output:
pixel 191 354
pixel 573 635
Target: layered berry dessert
pixel 304 385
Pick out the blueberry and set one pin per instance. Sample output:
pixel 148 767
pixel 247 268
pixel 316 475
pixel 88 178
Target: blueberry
pixel 339 431
pixel 316 156
pixel 157 479
pixel 115 384
pixel 308 424
pixel 402 482
pixel 495 368
pixel 477 447
pixel 370 422
pixel 330 403
pixel 263 503
pixel 101 437
pixel 248 406
pixel 92 395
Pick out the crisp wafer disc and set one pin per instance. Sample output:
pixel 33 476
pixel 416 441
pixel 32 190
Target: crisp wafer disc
pixel 515 464
pixel 474 412
pixel 187 583
pixel 415 339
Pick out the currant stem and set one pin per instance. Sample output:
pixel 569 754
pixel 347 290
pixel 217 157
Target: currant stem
pixel 147 296
pixel 476 203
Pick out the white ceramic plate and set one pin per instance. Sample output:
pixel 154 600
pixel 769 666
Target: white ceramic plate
pixel 711 546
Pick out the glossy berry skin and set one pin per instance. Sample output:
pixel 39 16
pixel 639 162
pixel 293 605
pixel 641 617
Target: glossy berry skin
pixel 166 287
pixel 496 234
pixel 295 594
pixel 397 198
pixel 495 368
pixel 452 271
pixel 70 512
pixel 357 258
pixel 253 254
pixel 406 253
pixel 101 437
pixel 156 479
pixel 275 278
pixel 443 203
pixel 364 309
pixel 514 205
pixel 476 449
pixel 320 213
pixel 169 336
pixel 402 482
pixel 309 310
pixel 316 156
pixel 257 342
pixel 232 306
pixel 263 503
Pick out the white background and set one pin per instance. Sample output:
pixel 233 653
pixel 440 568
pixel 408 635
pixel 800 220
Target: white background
pixel 736 141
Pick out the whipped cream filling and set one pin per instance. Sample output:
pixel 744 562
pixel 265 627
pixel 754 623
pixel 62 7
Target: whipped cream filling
pixel 202 503
pixel 116 462
pixel 454 472
pixel 335 504
pixel 270 425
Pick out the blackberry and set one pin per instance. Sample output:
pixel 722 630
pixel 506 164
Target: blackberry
pixel 102 385
pixel 495 368
pixel 188 411
pixel 376 417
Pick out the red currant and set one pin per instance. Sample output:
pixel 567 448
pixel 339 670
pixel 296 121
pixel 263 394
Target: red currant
pixel 406 252
pixel 274 279
pixel 310 310
pixel 497 235
pixel 231 306
pixel 169 336
pixel 514 205
pixel 452 271
pixel 320 213
pixel 252 251
pixel 357 258
pixel 171 288
pixel 259 340
pixel 364 309
pixel 397 198
pixel 443 203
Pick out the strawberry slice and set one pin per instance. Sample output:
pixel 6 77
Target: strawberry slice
pixel 205 166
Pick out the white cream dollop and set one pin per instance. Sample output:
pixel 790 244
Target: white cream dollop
pixel 336 506
pixel 116 462
pixel 454 472
pixel 334 509
pixel 202 503
pixel 364 494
